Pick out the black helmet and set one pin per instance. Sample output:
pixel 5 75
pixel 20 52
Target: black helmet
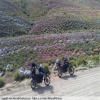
pixel 66 59
pixel 33 64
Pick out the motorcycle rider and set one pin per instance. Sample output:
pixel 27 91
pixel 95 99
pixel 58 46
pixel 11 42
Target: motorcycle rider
pixel 65 63
pixel 58 63
pixel 33 71
pixel 42 71
pixel 38 71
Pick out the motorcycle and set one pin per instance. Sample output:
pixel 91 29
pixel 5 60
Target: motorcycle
pixel 62 69
pixel 39 79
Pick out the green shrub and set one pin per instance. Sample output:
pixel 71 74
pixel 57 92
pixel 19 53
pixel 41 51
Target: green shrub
pixel 96 58
pixel 81 61
pixel 73 62
pixel 90 64
pixel 46 66
pixel 78 61
pixel 18 77
pixel 2 83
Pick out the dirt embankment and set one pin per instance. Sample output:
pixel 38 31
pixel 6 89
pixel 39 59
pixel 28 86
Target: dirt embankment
pixel 84 83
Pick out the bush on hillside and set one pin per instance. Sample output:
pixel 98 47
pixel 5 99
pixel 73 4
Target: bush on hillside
pixel 18 77
pixel 46 66
pixel 2 83
pixel 96 58
pixel 78 61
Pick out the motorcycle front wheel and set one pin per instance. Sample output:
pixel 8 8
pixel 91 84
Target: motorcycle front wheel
pixel 71 71
pixel 33 84
pixel 59 73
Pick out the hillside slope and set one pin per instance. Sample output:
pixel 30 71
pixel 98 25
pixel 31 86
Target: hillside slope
pixel 56 16
pixel 11 21
pixel 49 16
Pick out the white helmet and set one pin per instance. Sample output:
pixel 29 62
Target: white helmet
pixel 41 65
pixel 57 60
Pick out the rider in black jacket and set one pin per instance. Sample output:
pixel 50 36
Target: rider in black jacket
pixel 42 70
pixel 37 68
pixel 33 70
pixel 65 63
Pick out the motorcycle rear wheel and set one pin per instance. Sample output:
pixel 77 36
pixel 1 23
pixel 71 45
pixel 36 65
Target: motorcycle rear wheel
pixel 47 80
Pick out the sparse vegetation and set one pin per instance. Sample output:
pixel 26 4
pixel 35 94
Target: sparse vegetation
pixel 18 77
pixel 47 17
pixel 17 59
pixel 2 83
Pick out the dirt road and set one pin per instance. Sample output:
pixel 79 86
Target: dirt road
pixel 84 83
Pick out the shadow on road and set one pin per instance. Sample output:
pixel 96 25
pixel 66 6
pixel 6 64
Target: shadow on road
pixel 42 89
pixel 67 77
